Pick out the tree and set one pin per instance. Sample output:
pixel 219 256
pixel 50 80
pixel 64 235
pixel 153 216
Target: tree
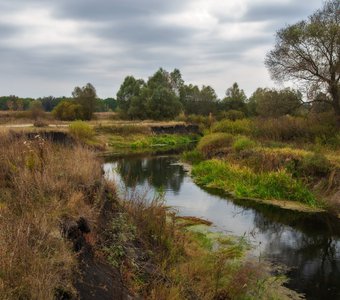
pixel 86 97
pixel 309 52
pixel 198 101
pixel 129 92
pixel 235 99
pixel 274 103
pixel 161 92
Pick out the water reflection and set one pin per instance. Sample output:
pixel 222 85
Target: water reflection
pixel 307 244
pixel 157 173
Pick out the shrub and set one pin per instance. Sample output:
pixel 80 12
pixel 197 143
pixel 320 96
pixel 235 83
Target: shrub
pixel 36 110
pixel 321 127
pixel 68 111
pixel 212 142
pixel 233 115
pixel 81 130
pixel 193 157
pixel 243 126
pixel 243 143
pixel 315 164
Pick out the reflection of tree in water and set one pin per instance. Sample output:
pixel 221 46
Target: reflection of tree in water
pixel 157 172
pixel 314 258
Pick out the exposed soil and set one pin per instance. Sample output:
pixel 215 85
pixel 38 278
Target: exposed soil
pixel 96 278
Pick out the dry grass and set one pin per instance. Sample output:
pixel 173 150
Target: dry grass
pixel 41 183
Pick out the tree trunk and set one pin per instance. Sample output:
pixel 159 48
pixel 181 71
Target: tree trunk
pixel 335 93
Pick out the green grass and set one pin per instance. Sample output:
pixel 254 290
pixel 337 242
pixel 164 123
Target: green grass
pixel 145 143
pixel 244 182
pixel 243 143
pixel 192 157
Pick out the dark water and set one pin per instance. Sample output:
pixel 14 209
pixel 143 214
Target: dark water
pixel 308 244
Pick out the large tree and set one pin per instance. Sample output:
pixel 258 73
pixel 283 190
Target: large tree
pixel 309 52
pixel 129 100
pixel 235 99
pixel 86 96
pixel 198 101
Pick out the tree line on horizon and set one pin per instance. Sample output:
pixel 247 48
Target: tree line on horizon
pixel 164 96
pixel 307 52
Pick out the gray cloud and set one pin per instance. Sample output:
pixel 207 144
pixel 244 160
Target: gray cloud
pixel 73 42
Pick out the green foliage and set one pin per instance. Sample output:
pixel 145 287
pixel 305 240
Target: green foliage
pixel 167 140
pixel 163 104
pixel 274 103
pixel 198 101
pixel 86 97
pixel 157 99
pixel 81 131
pixel 192 157
pixel 129 100
pixel 243 126
pixel 245 183
pixel 315 164
pixel 118 235
pixel 235 99
pixel 243 143
pixel 232 115
pixel 308 51
pixel 213 142
pixel 68 110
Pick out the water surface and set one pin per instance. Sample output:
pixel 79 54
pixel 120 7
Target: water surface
pixel 308 244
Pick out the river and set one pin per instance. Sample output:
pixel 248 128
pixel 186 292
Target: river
pixel 307 244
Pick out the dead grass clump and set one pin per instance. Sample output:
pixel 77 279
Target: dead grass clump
pixel 40 183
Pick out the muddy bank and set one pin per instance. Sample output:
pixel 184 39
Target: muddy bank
pixel 176 129
pixel 58 137
pixel 95 278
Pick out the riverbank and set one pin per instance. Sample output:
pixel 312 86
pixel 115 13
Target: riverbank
pixel 65 234
pixel 298 176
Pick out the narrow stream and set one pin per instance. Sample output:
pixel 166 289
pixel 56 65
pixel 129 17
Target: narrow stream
pixel 309 245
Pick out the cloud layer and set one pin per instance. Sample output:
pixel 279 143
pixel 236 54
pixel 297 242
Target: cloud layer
pixel 49 47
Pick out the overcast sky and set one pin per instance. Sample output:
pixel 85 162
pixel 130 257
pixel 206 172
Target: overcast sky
pixel 49 47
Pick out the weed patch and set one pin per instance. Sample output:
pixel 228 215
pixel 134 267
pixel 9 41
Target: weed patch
pixel 245 183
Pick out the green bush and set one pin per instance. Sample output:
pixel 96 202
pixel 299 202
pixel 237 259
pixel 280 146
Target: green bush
pixel 212 142
pixel 192 157
pixel 68 111
pixel 243 126
pixel 243 143
pixel 80 130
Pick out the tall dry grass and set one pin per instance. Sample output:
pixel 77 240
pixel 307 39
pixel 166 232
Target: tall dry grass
pixel 41 183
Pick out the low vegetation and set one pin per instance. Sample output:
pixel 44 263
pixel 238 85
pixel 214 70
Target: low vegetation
pixel 183 257
pixel 41 184
pixel 243 182
pixel 157 254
